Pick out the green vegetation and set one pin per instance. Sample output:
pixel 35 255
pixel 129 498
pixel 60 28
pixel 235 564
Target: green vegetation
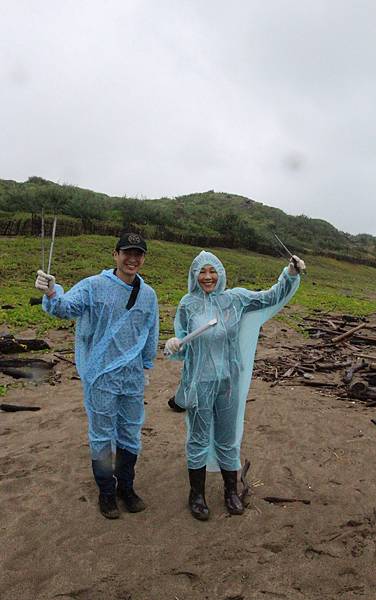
pixel 3 390
pixel 329 285
pixel 209 218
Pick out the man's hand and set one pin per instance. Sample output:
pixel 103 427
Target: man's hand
pixel 45 283
pixel 296 265
pixel 172 346
pixel 146 377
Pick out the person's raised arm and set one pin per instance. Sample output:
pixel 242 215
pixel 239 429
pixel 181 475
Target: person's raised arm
pixel 271 301
pixel 67 305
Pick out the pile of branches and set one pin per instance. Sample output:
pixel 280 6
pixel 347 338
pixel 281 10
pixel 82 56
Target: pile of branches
pixel 341 359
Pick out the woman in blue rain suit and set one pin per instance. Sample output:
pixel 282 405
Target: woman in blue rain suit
pixel 116 340
pixel 218 367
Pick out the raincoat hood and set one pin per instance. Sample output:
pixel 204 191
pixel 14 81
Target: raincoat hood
pixel 202 259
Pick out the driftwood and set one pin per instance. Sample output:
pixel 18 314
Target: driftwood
pixel 371 378
pixel 290 371
pixel 348 334
pixel 332 366
pixel 35 301
pixel 243 478
pixel 351 318
pixel 361 390
pixel 369 356
pixel 318 329
pixel 307 364
pixel 349 374
pixel 17 407
pixel 364 340
pixel 29 368
pixel 10 345
pixel 68 360
pixel 279 500
pixel 314 383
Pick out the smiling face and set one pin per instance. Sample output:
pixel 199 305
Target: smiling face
pixel 128 263
pixel 208 278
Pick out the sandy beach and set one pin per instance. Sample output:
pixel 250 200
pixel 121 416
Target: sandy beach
pixel 314 449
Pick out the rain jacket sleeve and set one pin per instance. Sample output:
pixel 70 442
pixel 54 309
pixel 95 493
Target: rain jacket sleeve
pixel 68 305
pixel 181 329
pixel 149 351
pixel 269 302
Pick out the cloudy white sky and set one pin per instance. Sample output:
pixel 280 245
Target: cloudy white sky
pixel 272 99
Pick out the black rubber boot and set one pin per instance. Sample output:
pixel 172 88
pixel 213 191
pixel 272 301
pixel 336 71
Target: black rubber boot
pixel 232 501
pixel 124 473
pixel 132 502
pixel 104 478
pixel 108 506
pixel 175 407
pixel 196 500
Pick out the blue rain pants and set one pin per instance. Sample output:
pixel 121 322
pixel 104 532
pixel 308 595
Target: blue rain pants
pixel 216 412
pixel 113 419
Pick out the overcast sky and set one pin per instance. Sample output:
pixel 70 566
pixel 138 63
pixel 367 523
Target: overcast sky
pixel 271 99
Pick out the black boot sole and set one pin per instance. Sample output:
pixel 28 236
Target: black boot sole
pixel 234 511
pixel 135 509
pixel 200 516
pixel 135 505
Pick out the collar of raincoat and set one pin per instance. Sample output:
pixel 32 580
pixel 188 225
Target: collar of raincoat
pixel 202 259
pixel 110 274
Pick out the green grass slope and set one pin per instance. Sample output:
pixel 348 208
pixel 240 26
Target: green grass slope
pixel 329 285
pixel 215 219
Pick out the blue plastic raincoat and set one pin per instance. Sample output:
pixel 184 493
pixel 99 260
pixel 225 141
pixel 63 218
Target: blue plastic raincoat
pixel 218 365
pixel 113 347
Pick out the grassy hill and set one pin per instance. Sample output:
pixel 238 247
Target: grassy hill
pixel 202 219
pixel 330 285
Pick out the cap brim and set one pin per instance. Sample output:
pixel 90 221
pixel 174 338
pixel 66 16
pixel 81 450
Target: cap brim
pixel 129 247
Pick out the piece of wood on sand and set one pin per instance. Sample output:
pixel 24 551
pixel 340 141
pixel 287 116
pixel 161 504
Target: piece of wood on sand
pixel 345 336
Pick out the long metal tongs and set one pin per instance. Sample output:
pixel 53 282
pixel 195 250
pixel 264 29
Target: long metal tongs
pixel 289 253
pixel 51 244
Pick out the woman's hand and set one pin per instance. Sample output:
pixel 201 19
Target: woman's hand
pixel 296 265
pixel 172 346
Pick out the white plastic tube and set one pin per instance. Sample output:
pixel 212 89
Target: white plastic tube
pixel 196 333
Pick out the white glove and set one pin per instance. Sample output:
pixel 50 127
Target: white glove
pixel 296 265
pixel 146 377
pixel 45 283
pixel 172 346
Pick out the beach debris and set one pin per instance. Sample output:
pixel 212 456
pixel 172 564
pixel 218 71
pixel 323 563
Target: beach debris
pixel 243 478
pixel 328 363
pixel 347 334
pixel 36 369
pixel 64 358
pixel 281 500
pixel 10 345
pixel 17 407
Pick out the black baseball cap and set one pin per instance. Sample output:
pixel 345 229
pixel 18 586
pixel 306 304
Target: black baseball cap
pixel 131 240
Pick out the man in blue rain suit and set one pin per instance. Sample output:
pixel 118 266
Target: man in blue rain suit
pixel 218 367
pixel 116 341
